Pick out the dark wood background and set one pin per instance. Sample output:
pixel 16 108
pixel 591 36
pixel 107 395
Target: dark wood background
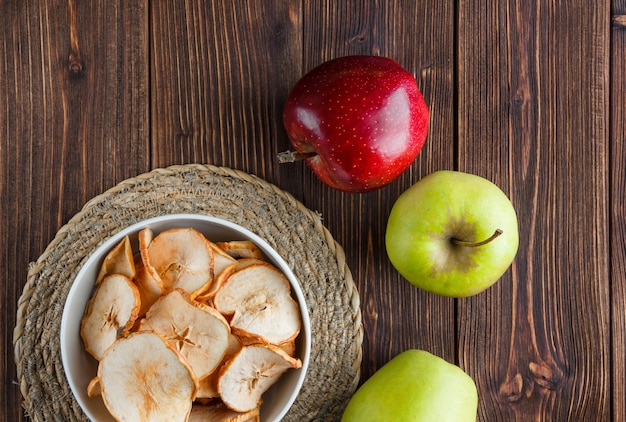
pixel 529 94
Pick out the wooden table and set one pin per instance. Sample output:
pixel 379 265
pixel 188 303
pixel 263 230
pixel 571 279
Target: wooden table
pixel 529 94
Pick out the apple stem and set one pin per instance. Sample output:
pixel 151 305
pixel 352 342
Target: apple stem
pixel 292 156
pixel 458 242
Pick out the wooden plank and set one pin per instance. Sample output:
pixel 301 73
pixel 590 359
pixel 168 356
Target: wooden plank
pixel 617 200
pixel 220 75
pixel 420 36
pixel 533 104
pixel 73 86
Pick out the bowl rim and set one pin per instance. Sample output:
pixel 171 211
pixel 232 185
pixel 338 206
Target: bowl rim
pixel 100 252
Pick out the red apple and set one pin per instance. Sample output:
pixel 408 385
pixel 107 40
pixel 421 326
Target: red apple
pixel 358 121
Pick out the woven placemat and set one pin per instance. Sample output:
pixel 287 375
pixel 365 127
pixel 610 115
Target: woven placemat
pixel 294 231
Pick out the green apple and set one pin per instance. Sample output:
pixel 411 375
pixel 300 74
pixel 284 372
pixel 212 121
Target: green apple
pixel 415 386
pixel 452 233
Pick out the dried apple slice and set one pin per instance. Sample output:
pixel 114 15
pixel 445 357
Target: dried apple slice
pixel 147 280
pixel 258 297
pixel 250 373
pixel 111 312
pixel 221 278
pixel 196 330
pixel 207 386
pixel 93 388
pixel 221 258
pixel 142 378
pixel 289 347
pixel 150 289
pixel 204 295
pixel 218 412
pixel 118 261
pixel 240 249
pixel 183 259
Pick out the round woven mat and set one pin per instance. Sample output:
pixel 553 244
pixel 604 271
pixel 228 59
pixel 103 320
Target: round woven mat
pixel 294 231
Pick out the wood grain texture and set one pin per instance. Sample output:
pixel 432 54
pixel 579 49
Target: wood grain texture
pixel 220 74
pixel 617 224
pixel 522 68
pixel 531 95
pixel 73 86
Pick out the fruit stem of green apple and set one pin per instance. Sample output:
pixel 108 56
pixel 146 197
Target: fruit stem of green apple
pixel 292 156
pixel 468 244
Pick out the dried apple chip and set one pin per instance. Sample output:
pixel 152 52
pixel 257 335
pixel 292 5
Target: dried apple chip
pixel 111 312
pixel 93 388
pixel 258 297
pixel 183 259
pixel 221 278
pixel 147 280
pixel 118 261
pixel 288 347
pixel 208 293
pixel 142 378
pixel 149 287
pixel 196 330
pixel 207 386
pixel 240 249
pixel 250 373
pixel 218 412
pixel 221 258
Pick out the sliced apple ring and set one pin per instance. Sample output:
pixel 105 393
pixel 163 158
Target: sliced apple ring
pixel 147 280
pixel 150 290
pixel 118 261
pixel 250 373
pixel 218 412
pixel 207 386
pixel 183 259
pixel 221 259
pixel 205 295
pixel 258 300
pixel 110 313
pixel 93 388
pixel 240 249
pixel 221 278
pixel 197 331
pixel 288 347
pixel 142 378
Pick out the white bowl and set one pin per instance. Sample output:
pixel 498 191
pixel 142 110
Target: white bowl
pixel 80 367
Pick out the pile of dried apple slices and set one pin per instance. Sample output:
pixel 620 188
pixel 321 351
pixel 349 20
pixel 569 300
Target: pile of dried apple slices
pixel 188 329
